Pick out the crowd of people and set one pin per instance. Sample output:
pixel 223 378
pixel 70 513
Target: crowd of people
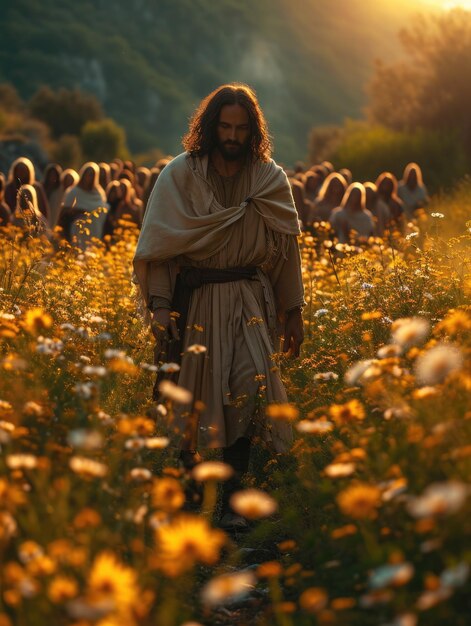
pixel 102 194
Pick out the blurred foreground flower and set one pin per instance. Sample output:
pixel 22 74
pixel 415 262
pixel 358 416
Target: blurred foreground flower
pixel 410 331
pixel 185 541
pixel 87 467
pixel 313 600
pixel 360 501
pixel 228 588
pixel 315 427
pixel 439 499
pixel 348 412
pixel 253 504
pixel 167 494
pixel 433 366
pixel 36 320
pixel 284 412
pixel 110 580
pixel 396 574
pixel 173 392
pixel 212 470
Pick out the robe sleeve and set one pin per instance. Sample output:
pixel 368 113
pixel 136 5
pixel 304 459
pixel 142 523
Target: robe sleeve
pixel 286 277
pixel 160 284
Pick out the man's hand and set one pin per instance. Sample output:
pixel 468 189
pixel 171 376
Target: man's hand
pixel 163 327
pixel 294 332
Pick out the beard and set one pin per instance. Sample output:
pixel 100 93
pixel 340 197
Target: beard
pixel 233 151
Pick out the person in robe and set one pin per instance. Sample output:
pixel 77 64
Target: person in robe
pixel 329 198
pixel 219 238
pixel 142 176
pixel 351 221
pixel 27 214
pixel 379 210
pixel 22 173
pixel 105 174
pixel 297 189
pixel 412 191
pixel 386 185
pixel 154 174
pixel 5 213
pixel 54 192
pixel 85 208
pixel 347 174
pixel 120 198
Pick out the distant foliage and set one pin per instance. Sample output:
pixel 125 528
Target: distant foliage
pixel 367 150
pixel 103 141
pixel 431 89
pixel 68 151
pixel 64 111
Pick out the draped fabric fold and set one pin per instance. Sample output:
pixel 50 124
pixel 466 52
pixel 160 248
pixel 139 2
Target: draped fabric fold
pixel 183 216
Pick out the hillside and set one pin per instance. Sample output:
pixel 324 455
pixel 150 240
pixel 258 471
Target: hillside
pixel 150 61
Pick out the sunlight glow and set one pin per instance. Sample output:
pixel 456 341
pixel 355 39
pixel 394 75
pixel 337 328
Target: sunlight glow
pixel 451 4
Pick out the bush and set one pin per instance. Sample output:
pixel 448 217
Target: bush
pixel 103 141
pixel 68 152
pixel 368 150
pixel 64 111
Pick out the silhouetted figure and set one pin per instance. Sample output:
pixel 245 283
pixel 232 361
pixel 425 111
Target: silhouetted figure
pixel 22 173
pixel 378 208
pixel 27 214
pixel 5 213
pixel 54 191
pixel 351 221
pixel 330 196
pixel 386 184
pixel 412 191
pixel 83 203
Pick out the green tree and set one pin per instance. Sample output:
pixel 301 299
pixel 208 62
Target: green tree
pixel 430 90
pixel 68 151
pixel 368 150
pixel 103 140
pixel 65 111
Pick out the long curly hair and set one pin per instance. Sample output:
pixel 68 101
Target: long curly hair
pixel 201 137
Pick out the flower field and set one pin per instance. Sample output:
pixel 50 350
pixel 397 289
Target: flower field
pixel 365 522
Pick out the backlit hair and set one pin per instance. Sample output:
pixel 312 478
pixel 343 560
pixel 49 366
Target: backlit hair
pixel 347 195
pixel 201 138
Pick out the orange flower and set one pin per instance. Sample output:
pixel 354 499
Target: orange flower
pixel 360 501
pixel 348 412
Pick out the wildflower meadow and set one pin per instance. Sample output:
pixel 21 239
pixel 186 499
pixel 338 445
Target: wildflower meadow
pixel 365 522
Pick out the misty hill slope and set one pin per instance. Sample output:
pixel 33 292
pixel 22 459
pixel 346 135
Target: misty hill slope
pixel 150 61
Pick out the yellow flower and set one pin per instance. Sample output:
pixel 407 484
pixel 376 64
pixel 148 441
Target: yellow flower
pixel 285 412
pixel 62 588
pixel 360 501
pixel 36 320
pixel 457 321
pixel 168 495
pixel 110 580
pixel 185 541
pixel 344 413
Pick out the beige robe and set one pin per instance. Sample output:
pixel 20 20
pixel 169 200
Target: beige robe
pixel 236 322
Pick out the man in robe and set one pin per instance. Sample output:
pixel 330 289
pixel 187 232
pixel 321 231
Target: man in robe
pixel 220 236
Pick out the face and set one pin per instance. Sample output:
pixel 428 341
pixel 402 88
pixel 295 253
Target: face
pixel 88 178
pixel 412 178
pixel 22 173
pixel 233 132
